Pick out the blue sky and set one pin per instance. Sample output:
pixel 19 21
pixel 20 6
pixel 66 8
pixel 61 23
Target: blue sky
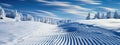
pixel 69 9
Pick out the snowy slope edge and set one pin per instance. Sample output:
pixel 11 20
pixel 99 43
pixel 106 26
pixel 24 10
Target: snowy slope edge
pixel 112 24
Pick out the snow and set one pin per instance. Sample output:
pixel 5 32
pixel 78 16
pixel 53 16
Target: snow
pixel 7 20
pixel 113 24
pixel 63 32
pixel 72 34
pixel 10 31
pixel 83 32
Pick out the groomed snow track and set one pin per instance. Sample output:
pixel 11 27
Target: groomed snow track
pixel 80 34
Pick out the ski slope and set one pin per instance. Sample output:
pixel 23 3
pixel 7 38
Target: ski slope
pixel 73 34
pixel 36 33
pixel 13 31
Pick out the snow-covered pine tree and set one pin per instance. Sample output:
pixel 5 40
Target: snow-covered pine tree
pixel 41 20
pixel 116 15
pixel 49 20
pixel 88 17
pixel 3 14
pixel 17 16
pixel 30 18
pixel 21 15
pixel 103 16
pixel 35 19
pixel 46 19
pixel 24 18
pixel 108 15
pixel 97 16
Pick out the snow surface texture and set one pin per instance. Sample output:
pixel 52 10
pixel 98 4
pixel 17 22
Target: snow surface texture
pixel 12 31
pixel 112 24
pixel 36 33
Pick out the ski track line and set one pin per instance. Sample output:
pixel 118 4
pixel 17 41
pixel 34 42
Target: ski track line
pixel 70 38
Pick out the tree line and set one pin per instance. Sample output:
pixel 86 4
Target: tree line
pixel 107 15
pixel 17 16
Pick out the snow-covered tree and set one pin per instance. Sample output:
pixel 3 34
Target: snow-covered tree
pixel 17 17
pixel 21 15
pixel 30 18
pixel 3 14
pixel 108 15
pixel 103 16
pixel 44 19
pixel 116 15
pixel 97 16
pixel 24 18
pixel 88 17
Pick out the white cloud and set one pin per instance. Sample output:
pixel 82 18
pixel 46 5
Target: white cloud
pixel 37 14
pixel 75 12
pixel 46 12
pixel 42 1
pixel 42 13
pixel 63 4
pixel 109 9
pixel 69 8
pixel 57 3
pixel 80 8
pixel 91 2
pixel 54 3
pixel 66 4
pixel 5 4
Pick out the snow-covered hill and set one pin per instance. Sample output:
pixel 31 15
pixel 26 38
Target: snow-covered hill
pixel 112 24
pixel 74 33
pixel 12 31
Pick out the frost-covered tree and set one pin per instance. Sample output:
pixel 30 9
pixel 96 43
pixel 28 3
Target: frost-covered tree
pixel 116 15
pixel 35 19
pixel 3 14
pixel 17 16
pixel 44 20
pixel 22 17
pixel 30 18
pixel 40 19
pixel 49 20
pixel 103 16
pixel 88 17
pixel 97 16
pixel 108 15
